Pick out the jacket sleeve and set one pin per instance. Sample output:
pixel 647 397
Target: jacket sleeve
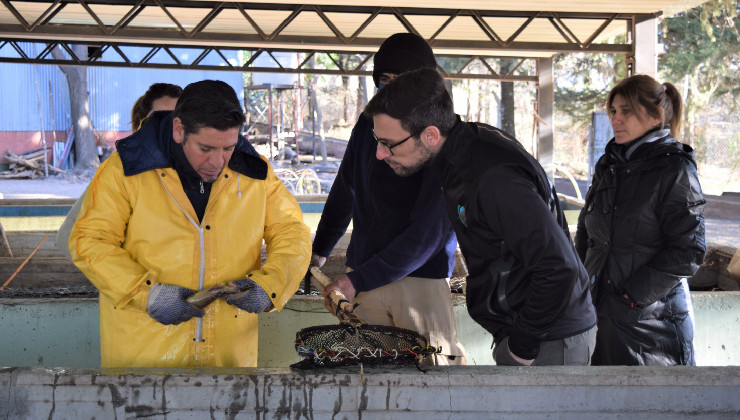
pixel 97 236
pixel 681 214
pixel 337 211
pixel 288 243
pixel 412 248
pixel 511 207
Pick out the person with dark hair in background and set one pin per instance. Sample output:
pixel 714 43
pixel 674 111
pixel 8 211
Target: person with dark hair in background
pixel 641 231
pixel 183 205
pixel 159 97
pixel 526 286
pixel 401 252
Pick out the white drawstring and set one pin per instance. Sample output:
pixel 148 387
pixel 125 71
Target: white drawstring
pixel 238 186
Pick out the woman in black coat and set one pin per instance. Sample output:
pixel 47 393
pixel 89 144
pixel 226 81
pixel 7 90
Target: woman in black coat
pixel 641 231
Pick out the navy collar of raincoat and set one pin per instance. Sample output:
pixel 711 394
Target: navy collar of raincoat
pixel 149 148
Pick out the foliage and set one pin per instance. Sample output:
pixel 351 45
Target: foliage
pixel 703 44
pixel 582 82
pixel 702 57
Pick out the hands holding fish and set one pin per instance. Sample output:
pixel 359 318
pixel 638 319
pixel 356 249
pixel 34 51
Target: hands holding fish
pixel 169 304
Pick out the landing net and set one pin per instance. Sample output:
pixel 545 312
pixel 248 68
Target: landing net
pixel 345 344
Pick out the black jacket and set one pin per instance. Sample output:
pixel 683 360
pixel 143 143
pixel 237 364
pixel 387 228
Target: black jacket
pixel 525 281
pixel 642 231
pixel 399 223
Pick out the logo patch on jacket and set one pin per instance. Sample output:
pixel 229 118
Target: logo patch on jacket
pixel 461 214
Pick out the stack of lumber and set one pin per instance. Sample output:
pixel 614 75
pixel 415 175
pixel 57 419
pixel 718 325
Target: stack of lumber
pixel 29 165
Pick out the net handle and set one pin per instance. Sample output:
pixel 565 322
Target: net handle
pixel 344 309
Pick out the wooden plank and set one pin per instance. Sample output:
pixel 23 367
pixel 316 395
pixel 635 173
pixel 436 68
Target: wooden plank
pixel 37 202
pixel 5 249
pixel 41 272
pixel 12 157
pixel 22 243
pixel 15 175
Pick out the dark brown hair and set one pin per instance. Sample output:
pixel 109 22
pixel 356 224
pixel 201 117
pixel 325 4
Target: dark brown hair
pixel 644 90
pixel 208 103
pixel 418 99
pixel 143 105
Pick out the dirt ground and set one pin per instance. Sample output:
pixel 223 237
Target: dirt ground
pixel 59 186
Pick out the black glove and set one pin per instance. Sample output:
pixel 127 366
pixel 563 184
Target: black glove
pixel 167 304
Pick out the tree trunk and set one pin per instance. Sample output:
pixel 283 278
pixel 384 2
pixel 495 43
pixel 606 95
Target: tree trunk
pixel 468 103
pixel 316 110
pixel 319 120
pixel 507 101
pixel 345 100
pixel 86 151
pixel 361 96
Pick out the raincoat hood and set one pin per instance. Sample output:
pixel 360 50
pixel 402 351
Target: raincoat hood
pixel 140 154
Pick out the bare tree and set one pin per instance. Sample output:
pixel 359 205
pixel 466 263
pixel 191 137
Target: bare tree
pixel 318 116
pixel 507 107
pixel 361 95
pixel 316 109
pixel 348 61
pixel 86 152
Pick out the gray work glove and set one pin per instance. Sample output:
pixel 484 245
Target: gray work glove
pixel 167 304
pixel 254 301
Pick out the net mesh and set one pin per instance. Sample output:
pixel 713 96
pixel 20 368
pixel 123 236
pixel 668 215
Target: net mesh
pixel 345 344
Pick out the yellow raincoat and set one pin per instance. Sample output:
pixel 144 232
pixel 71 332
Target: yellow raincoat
pixel 135 230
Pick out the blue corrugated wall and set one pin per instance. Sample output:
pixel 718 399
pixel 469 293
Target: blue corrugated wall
pixel 112 91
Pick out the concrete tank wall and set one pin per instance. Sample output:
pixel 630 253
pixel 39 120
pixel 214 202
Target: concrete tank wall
pixel 65 332
pixel 460 392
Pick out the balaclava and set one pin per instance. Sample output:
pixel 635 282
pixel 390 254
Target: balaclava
pixel 402 52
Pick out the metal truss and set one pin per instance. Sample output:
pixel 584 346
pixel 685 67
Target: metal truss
pixel 113 24
pixel 341 63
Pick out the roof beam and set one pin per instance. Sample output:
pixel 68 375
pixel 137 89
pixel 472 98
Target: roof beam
pixel 173 38
pixel 211 27
pixel 119 55
pixel 285 35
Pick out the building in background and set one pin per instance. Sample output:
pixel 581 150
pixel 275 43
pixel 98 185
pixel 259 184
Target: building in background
pixel 36 97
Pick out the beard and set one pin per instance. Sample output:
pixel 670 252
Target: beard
pixel 425 157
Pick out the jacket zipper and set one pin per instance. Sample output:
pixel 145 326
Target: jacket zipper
pixel 613 171
pixel 201 274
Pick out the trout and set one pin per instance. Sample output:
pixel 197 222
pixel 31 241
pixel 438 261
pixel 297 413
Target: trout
pixel 204 297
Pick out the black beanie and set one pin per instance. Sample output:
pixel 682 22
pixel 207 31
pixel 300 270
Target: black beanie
pixel 401 53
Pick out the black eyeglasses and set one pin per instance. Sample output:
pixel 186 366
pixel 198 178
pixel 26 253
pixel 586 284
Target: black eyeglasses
pixel 385 142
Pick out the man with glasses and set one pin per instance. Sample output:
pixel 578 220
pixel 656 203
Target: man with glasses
pixel 526 286
pixel 402 247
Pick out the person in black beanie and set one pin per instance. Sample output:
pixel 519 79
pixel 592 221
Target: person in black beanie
pixel 402 249
pixel 400 53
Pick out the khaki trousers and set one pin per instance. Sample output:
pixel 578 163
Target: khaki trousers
pixel 418 304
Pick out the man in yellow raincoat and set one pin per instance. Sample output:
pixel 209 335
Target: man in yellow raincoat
pixel 185 204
